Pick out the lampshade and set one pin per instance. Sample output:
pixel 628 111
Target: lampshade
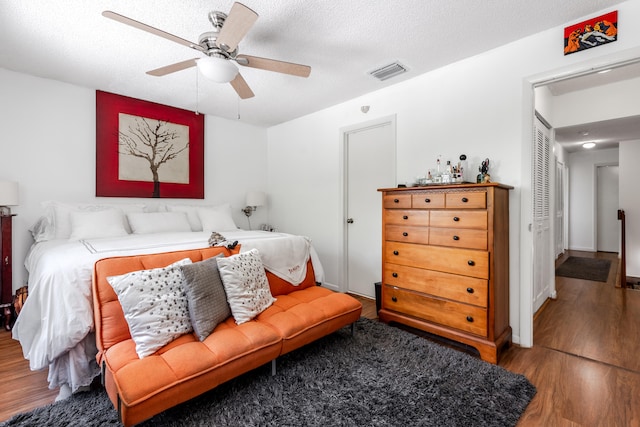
pixel 8 193
pixel 219 70
pixel 256 198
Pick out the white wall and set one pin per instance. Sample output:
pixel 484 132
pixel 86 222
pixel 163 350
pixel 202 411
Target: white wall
pixel 544 103
pixel 630 202
pixel 596 104
pixel 48 146
pixel 582 196
pixel 481 106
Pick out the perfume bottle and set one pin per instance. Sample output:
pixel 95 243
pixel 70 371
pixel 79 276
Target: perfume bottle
pixel 462 165
pixel 446 175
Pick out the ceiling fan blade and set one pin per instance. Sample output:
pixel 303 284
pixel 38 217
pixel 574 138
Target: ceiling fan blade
pixel 236 26
pixel 241 87
pixel 273 65
pixel 168 69
pixel 144 27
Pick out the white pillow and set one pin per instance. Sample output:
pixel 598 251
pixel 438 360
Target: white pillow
pixel 155 305
pixel 192 214
pixel 59 214
pixel 88 225
pixel 158 222
pixel 245 284
pixel 217 219
pixel 43 230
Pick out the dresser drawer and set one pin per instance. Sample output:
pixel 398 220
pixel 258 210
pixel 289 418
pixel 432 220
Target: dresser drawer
pixel 406 217
pixel 403 233
pixel 460 316
pixel 458 238
pixel 466 200
pixel 459 219
pixel 427 200
pixel 396 201
pixel 467 262
pixel 469 290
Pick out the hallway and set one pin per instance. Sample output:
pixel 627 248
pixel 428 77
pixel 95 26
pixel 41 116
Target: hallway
pixel 585 360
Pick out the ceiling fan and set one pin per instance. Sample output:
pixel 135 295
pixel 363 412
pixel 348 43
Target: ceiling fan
pixel 220 47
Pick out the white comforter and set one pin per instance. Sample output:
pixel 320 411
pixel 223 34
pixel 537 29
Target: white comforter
pixel 56 323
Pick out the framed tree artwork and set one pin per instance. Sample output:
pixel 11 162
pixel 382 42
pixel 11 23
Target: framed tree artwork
pixel 145 149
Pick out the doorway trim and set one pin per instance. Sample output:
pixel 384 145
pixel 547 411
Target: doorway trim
pixel 525 296
pixel 344 135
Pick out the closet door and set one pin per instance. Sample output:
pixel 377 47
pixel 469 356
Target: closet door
pixel 543 272
pixel 370 162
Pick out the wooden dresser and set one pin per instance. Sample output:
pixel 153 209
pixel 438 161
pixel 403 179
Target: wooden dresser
pixel 445 262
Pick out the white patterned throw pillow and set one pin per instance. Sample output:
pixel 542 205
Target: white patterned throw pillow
pixel 154 304
pixel 246 285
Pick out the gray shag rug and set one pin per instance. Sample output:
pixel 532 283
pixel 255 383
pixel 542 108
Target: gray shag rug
pixel 381 376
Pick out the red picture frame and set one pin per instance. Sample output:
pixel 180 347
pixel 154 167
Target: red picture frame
pixel 109 107
pixel 593 32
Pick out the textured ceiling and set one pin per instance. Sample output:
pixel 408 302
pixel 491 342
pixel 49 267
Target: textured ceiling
pixel 70 41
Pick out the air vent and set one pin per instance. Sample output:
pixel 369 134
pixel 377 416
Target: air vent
pixel 388 71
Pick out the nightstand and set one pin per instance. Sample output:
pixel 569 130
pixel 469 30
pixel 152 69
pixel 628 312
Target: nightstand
pixel 6 281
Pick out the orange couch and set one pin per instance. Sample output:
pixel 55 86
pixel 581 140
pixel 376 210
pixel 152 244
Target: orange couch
pixel 187 367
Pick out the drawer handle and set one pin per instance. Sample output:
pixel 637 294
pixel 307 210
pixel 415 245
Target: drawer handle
pixel 471 262
pixel 396 201
pixel 427 200
pixel 394 299
pixel 405 234
pixel 465 200
pixel 456 237
pixel 469 319
pixel 456 219
pixel 470 290
pixel 395 253
pixel 394 274
pixel 405 217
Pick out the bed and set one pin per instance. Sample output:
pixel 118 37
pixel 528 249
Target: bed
pixel 55 326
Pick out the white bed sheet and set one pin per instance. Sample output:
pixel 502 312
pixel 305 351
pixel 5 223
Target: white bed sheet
pixel 56 323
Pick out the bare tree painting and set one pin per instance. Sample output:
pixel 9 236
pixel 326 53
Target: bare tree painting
pixel 152 150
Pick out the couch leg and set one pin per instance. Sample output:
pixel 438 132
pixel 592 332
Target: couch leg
pixel 103 373
pixel 273 368
pixel 353 328
pixel 119 409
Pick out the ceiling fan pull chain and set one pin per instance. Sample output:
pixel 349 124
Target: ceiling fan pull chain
pixel 197 93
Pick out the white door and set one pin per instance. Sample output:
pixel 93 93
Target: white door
pixel 543 259
pixel 608 235
pixel 370 164
pixel 559 208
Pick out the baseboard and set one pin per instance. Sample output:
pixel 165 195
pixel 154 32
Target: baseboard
pixel 331 286
pixel 515 339
pixel 582 249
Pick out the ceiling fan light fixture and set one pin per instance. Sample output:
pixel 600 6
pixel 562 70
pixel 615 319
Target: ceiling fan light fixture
pixel 219 70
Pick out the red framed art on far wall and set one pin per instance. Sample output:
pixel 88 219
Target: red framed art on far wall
pixel 144 149
pixel 593 32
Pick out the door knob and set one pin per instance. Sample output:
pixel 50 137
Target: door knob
pixel 349 220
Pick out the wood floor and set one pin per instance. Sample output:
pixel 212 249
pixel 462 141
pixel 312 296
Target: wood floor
pixel 585 361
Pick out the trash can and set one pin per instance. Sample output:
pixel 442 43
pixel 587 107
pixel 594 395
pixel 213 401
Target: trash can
pixel 378 286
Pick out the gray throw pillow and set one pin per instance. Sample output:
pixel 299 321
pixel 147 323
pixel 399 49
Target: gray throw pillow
pixel 206 298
